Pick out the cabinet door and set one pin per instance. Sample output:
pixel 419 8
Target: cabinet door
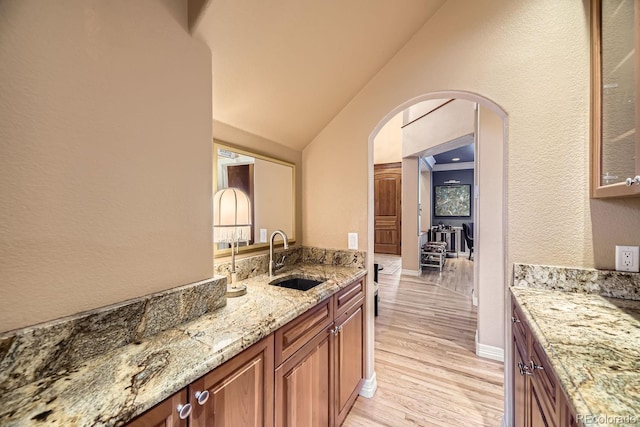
pixel 539 415
pixel 164 414
pixel 304 385
pixel 240 391
pixel 349 363
pixel 519 386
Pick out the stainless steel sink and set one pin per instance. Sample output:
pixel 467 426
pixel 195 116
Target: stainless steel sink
pixel 298 283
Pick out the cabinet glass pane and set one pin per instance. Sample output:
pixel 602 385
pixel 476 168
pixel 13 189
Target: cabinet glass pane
pixel 618 91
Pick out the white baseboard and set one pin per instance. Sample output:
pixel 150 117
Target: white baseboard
pixel 369 387
pixel 415 273
pixel 489 352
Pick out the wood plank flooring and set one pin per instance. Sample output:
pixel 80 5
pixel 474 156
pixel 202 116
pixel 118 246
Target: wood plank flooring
pixel 427 370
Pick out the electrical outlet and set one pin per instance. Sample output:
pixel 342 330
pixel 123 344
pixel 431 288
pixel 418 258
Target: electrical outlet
pixel 628 258
pixel 353 240
pixel 263 235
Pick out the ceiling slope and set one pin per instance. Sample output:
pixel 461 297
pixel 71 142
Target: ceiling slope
pixel 282 69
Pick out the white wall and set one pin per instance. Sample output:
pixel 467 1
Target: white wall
pixel 105 155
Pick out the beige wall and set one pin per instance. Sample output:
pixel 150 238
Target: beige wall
pixel 488 251
pixel 273 198
pixel 387 147
pixel 105 155
pixel 447 123
pixel 410 246
pixel 250 142
pixel 531 58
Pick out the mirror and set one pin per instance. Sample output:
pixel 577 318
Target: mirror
pixel 270 185
pixel 614 91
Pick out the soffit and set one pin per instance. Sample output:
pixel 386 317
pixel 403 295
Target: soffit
pixel 282 69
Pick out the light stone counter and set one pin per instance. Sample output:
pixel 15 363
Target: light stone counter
pixel 110 389
pixel 593 344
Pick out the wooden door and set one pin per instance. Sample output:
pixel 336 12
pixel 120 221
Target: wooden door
pixel 164 414
pixel 387 189
pixel 240 391
pixel 349 363
pixel 304 386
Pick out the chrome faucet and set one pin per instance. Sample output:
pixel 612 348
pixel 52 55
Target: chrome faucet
pixel 274 266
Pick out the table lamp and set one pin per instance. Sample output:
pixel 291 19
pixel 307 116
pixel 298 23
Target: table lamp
pixel 232 224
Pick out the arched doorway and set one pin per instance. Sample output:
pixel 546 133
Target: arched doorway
pixel 490 266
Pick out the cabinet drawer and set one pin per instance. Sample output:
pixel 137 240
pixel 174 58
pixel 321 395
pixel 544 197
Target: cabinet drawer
pixel 349 297
pixel 299 331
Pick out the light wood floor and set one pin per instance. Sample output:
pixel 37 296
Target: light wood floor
pixel 456 275
pixel 427 371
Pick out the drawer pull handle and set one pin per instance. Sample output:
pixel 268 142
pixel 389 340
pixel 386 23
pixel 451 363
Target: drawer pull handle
pixel 202 397
pixel 535 366
pixel 184 411
pixel 524 369
pixel 515 320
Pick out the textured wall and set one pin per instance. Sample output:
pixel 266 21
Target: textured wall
pixel 532 59
pixel 105 155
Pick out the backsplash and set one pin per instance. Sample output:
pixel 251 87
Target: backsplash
pixel 259 264
pixel 53 348
pixel 616 284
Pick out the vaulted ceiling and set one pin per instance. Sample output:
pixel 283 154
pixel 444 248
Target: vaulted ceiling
pixel 282 69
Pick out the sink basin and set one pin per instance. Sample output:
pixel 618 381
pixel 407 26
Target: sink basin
pixel 298 283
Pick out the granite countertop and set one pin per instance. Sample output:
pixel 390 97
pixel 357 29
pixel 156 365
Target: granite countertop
pixel 111 389
pixel 593 345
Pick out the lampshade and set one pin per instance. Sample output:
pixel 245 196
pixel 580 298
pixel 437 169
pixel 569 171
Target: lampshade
pixel 231 216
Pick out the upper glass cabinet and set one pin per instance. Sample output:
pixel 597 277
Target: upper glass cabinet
pixel 615 157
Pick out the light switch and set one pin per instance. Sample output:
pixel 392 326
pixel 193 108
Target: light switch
pixel 353 240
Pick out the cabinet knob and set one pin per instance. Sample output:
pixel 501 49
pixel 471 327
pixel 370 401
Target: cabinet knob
pixel 184 411
pixel 535 366
pixel 524 369
pixel 631 181
pixel 336 330
pixel 202 396
pixel 514 320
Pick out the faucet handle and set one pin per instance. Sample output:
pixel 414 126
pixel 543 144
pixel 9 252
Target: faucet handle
pixel 281 263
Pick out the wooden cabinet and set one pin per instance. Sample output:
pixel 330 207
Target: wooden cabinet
pixel 240 392
pixel 349 360
pixel 237 393
pixel 304 385
pixel 318 383
pixel 538 400
pixel 165 414
pixel 308 373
